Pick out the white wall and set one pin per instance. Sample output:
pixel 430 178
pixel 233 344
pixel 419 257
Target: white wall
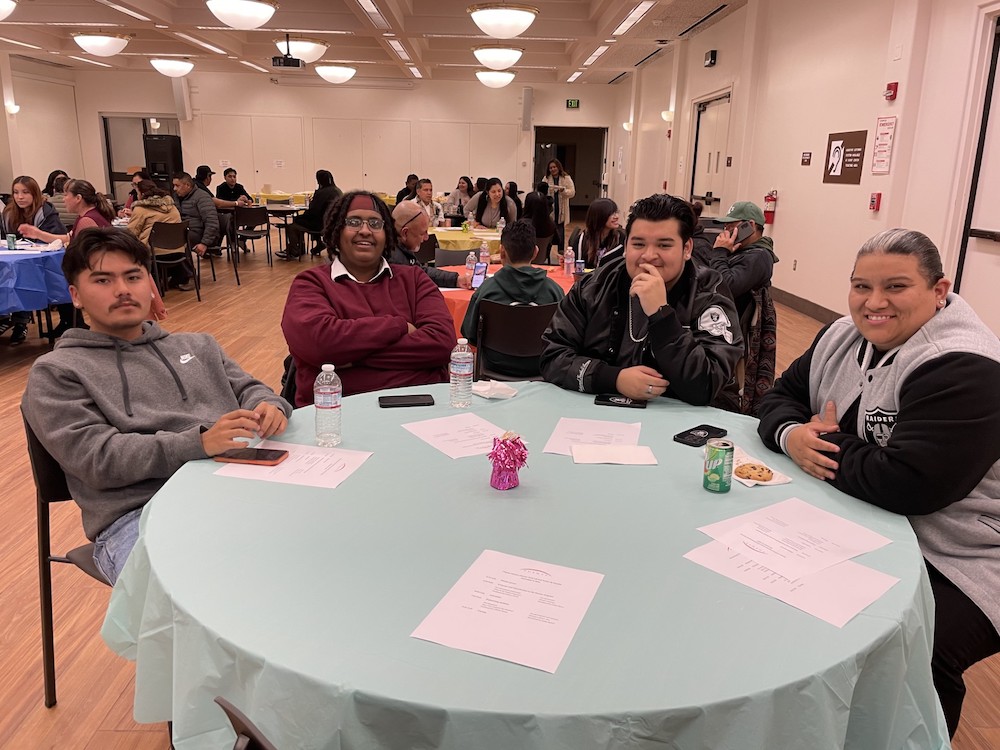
pixel 45 132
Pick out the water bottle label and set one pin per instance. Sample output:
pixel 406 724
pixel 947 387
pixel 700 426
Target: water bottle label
pixel 461 368
pixel 327 400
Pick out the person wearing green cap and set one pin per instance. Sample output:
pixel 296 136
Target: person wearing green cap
pixel 745 265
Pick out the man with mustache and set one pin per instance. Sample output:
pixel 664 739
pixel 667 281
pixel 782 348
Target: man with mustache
pixel 125 404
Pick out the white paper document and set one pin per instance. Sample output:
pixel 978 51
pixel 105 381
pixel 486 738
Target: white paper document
pixel 794 538
pixel 458 436
pixel 512 608
pixel 639 455
pixel 307 465
pixel 570 432
pixel 834 594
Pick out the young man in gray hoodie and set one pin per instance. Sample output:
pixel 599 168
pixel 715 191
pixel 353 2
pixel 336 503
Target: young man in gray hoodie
pixel 125 404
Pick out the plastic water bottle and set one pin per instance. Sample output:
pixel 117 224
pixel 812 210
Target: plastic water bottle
pixel 460 369
pixel 470 262
pixel 484 252
pixel 326 396
pixel 501 225
pixel 569 261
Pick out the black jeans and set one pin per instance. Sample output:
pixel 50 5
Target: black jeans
pixel 963 635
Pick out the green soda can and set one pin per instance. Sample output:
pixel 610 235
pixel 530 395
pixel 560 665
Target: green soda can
pixel 12 242
pixel 718 465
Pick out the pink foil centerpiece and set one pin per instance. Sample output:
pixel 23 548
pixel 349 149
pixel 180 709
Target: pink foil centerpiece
pixel 508 456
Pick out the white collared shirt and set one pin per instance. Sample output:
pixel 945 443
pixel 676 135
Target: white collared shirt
pixel 339 270
pixel 433 210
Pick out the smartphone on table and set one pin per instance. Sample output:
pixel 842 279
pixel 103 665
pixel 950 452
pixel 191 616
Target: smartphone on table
pixel 479 274
pixel 698 436
pixel 617 399
pixel 412 399
pixel 259 456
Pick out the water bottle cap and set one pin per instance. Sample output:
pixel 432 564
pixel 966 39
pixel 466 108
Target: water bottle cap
pixel 327 368
pixel 463 341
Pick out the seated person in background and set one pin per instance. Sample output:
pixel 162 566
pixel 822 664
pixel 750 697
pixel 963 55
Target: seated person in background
pixel 203 181
pixel 124 405
pixel 745 266
pixel 602 235
pixel 410 223
pixel 137 177
pixel 155 204
pixel 481 183
pixel 311 220
pixel 511 191
pixel 58 201
pixel 488 207
pixel 895 405
pixel 50 188
pixel 27 205
pixel 458 197
pixel 651 324
pixel 382 326
pixel 536 211
pixel 425 199
pixel 516 283
pixel 230 192
pixel 91 209
pixel 410 191
pixel 198 210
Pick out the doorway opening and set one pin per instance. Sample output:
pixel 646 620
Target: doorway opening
pixel 124 148
pixel 582 152
pixel 711 141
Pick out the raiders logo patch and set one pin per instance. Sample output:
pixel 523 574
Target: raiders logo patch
pixel 878 426
pixel 716 322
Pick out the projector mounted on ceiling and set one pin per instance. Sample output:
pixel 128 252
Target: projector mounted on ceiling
pixel 286 60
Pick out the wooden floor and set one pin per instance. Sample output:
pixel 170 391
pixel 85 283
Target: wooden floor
pixel 95 686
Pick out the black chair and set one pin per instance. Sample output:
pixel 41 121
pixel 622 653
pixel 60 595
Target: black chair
pixel 511 330
pixel 252 223
pixel 452 257
pixel 171 237
pixel 248 736
pixel 288 387
pixel 427 252
pixel 50 487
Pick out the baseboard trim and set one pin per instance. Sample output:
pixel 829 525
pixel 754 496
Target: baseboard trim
pixel 804 306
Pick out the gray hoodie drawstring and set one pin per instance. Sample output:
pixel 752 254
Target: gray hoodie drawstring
pixel 121 374
pixel 173 372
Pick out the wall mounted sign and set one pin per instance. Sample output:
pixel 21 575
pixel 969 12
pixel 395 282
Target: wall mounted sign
pixel 572 104
pixel 807 157
pixel 845 153
pixel 885 129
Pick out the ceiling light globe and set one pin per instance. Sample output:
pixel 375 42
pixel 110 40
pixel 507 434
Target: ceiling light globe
pixel 335 73
pixel 102 45
pixel 503 21
pixel 495 79
pixel 497 58
pixel 242 14
pixel 307 50
pixel 172 68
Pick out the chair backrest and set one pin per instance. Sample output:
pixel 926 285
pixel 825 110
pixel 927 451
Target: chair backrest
pixel 288 387
pixel 428 250
pixel 760 335
pixel 511 330
pixel 248 736
pixel 50 479
pixel 168 237
pixel 279 201
pixel 250 216
pixel 451 257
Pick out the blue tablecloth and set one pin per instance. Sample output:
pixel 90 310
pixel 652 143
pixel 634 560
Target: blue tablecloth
pixel 297 603
pixel 31 281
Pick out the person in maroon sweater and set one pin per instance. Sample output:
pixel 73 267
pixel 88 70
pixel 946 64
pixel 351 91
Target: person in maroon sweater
pixel 382 326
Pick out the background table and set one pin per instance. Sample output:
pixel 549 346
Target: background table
pixel 458 300
pixel 31 281
pixel 297 603
pixel 456 239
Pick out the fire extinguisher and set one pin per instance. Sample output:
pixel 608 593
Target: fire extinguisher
pixel 770 204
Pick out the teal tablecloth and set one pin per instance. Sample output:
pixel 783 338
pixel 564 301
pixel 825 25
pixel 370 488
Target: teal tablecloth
pixel 297 603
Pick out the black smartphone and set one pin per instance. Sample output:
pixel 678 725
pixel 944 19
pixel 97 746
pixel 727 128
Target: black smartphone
pixel 260 456
pixel 616 399
pixel 479 275
pixel 413 399
pixel 698 436
pixel 744 230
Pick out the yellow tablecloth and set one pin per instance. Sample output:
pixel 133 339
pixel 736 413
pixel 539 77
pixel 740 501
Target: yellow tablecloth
pixel 298 199
pixel 456 239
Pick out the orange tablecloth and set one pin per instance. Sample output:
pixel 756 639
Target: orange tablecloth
pixel 458 300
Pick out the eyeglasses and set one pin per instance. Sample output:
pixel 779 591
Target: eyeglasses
pixel 408 221
pixel 355 222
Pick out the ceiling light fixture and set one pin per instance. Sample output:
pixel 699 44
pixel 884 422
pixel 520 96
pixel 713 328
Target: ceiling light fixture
pixel 154 123
pixel 255 67
pixel 498 58
pixel 634 17
pixel 573 77
pixel 495 79
pixel 126 11
pixel 102 45
pixel 200 43
pixel 373 13
pixel 399 49
pixel 6 8
pixel 19 44
pixel 242 14
pixel 335 73
pixel 503 20
pixel 308 50
pixel 172 68
pixel 414 72
pixel 597 53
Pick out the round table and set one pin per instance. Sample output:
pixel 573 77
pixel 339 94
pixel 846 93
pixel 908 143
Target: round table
pixel 297 603
pixel 31 280
pixel 456 239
